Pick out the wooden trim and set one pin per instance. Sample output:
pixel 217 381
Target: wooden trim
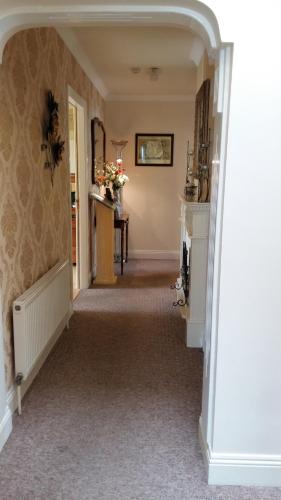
pixel 96 122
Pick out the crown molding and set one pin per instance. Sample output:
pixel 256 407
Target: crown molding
pixel 71 41
pixel 150 98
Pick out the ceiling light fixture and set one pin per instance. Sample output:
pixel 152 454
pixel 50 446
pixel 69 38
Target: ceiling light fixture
pixel 154 72
pixel 135 70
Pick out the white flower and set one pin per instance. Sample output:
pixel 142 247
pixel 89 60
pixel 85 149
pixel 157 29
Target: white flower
pixel 112 176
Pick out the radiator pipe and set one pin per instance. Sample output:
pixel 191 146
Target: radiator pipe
pixel 19 379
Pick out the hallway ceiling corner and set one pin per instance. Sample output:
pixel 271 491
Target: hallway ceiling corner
pixel 114 50
pixel 71 41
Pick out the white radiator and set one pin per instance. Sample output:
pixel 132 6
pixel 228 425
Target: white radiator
pixel 37 315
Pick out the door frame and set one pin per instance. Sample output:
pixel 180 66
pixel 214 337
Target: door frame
pixel 83 184
pixel 205 23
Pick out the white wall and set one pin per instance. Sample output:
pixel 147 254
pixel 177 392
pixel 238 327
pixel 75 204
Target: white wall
pixel 244 416
pixel 205 69
pixel 151 196
pixel 5 413
pixel 243 419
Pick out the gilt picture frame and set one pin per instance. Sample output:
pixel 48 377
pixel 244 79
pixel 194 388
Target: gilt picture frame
pixel 154 150
pixel 98 140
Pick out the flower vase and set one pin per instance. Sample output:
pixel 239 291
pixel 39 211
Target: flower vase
pixel 117 198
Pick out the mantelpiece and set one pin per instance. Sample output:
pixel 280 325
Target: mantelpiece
pixel 194 231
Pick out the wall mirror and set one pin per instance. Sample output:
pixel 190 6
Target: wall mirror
pixel 98 147
pixel 202 141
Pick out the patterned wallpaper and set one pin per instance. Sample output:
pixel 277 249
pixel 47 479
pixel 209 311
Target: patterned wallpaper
pixel 34 216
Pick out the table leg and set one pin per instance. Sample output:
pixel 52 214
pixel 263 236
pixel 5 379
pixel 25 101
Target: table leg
pixel 122 248
pixel 127 238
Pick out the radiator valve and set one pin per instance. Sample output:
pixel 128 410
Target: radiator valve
pixel 19 378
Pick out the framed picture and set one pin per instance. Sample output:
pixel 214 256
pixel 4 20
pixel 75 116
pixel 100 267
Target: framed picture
pixel 154 150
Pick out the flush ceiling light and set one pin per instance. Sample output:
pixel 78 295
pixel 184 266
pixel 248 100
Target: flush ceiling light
pixel 154 72
pixel 136 70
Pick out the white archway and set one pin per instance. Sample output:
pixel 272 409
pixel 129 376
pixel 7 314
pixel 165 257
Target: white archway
pixel 192 14
pixel 199 18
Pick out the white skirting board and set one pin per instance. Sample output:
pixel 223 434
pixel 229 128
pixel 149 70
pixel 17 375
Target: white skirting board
pixel 194 333
pixel 12 393
pixel 154 254
pixel 5 427
pixel 240 469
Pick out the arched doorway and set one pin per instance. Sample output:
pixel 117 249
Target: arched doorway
pixel 200 19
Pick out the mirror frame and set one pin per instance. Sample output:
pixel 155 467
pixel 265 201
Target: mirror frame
pixel 201 127
pixel 96 122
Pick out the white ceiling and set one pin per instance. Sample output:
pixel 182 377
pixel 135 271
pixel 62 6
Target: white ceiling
pixel 113 51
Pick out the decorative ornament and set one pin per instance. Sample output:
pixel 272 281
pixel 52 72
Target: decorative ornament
pixel 203 170
pixel 53 145
pixel 190 190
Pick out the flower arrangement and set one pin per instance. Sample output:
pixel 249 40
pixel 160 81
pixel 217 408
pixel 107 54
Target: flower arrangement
pixel 114 176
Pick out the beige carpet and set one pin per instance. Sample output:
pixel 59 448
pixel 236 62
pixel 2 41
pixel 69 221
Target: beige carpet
pixel 113 414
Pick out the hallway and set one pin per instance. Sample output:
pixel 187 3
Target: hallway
pixel 113 414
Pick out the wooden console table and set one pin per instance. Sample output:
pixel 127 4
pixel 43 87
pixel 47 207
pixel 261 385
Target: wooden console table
pixel 122 223
pixel 104 234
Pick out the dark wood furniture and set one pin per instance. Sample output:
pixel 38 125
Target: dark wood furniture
pixel 73 217
pixel 122 223
pixel 73 189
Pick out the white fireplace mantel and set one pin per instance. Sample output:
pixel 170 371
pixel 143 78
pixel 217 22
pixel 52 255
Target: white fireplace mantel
pixel 195 232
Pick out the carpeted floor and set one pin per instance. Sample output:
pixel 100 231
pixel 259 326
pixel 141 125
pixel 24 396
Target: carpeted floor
pixel 113 414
